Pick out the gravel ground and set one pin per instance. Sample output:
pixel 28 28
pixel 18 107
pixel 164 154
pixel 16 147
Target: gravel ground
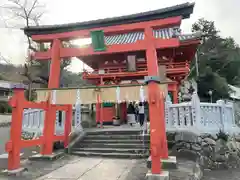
pixel 233 174
pixel 139 171
pixel 185 169
pixel 39 168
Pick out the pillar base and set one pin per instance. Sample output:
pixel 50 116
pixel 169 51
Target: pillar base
pixel 163 176
pixel 52 157
pixel 170 163
pixel 16 172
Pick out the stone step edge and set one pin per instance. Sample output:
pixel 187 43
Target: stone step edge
pixel 115 144
pixel 115 135
pixel 120 150
pixel 86 153
pixel 114 140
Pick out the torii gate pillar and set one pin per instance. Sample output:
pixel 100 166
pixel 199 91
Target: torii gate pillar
pixel 156 107
pixel 55 64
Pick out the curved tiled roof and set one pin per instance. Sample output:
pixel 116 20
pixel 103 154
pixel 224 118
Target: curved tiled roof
pixel 236 92
pixel 165 33
pixel 184 10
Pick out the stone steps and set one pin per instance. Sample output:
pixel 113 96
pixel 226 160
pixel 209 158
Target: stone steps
pixel 115 141
pixel 113 144
pixel 112 150
pixel 111 155
pixel 113 132
pixel 119 136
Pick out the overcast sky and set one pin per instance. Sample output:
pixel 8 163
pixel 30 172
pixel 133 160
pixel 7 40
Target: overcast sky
pixel 225 13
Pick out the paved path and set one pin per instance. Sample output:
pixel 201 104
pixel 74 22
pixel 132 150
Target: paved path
pixel 4 119
pixel 93 168
pixel 115 169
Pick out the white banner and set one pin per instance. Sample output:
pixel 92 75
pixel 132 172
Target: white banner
pixel 118 94
pixel 54 100
pixel 77 118
pixel 142 96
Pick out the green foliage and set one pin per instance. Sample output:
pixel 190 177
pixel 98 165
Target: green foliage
pixel 222 135
pixel 70 79
pixel 33 95
pixel 2 77
pixel 208 81
pixel 218 60
pixel 5 108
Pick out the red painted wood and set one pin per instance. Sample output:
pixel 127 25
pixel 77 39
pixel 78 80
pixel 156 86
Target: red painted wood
pixel 156 108
pixel 68 125
pixel 30 143
pixel 173 21
pixel 123 111
pixel 44 55
pixel 175 96
pixel 98 104
pixel 15 131
pixel 114 74
pixel 116 48
pixel 15 144
pixel 58 138
pixel 108 114
pixel 48 130
pixel 54 76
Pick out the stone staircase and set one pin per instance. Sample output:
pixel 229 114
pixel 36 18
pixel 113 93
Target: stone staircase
pixel 113 144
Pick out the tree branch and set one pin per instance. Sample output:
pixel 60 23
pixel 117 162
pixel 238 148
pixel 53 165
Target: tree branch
pixel 32 8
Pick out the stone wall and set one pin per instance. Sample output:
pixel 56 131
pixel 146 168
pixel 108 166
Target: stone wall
pixel 212 152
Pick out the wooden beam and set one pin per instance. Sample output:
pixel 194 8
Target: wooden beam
pixel 116 48
pixel 132 74
pixel 44 55
pixel 173 21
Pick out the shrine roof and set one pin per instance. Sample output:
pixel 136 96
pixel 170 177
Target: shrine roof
pixel 165 33
pixel 184 10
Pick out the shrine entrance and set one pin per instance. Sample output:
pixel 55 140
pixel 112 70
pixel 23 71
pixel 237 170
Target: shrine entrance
pixel 106 102
pixel 145 47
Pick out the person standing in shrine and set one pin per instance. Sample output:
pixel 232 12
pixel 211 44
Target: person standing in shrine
pixel 141 114
pixel 131 114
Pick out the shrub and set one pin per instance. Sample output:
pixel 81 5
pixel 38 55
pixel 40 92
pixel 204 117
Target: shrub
pixel 222 135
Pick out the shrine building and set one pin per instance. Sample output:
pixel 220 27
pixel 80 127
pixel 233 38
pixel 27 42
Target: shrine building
pixel 117 50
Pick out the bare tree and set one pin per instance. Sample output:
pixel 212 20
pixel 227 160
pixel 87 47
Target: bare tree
pixel 28 13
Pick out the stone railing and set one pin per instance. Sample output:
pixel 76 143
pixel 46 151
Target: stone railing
pixel 33 119
pixel 203 117
pixel 33 122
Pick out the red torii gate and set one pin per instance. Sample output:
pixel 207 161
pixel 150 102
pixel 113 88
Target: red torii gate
pixel 150 44
pixel 156 99
pixel 14 145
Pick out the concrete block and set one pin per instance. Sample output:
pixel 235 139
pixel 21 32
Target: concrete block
pixel 77 137
pixel 170 163
pixel 16 172
pixel 163 176
pixel 52 157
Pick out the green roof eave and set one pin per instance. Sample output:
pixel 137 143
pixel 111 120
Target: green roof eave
pixel 184 10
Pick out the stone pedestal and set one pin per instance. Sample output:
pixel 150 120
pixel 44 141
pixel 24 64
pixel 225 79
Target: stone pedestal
pixel 16 172
pixel 163 176
pixel 170 163
pixel 116 122
pixel 52 157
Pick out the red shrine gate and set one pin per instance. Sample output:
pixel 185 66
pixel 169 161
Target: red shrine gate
pixel 152 40
pixel 15 144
